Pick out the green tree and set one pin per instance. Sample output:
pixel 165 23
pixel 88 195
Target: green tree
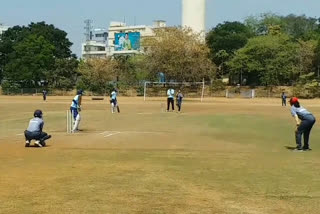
pixel 65 73
pixel 301 27
pixel 180 54
pixel 317 59
pixel 267 60
pixel 21 54
pixel 132 69
pixel 98 74
pixel 57 38
pixel 229 36
pixel 223 40
pixel 305 56
pixel 298 27
pixel 31 59
pixel 260 25
pixel 7 42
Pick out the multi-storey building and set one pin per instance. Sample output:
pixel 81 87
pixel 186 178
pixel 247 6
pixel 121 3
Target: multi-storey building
pixel 96 45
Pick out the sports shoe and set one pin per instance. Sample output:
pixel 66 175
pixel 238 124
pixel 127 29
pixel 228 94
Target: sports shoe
pixel 43 143
pixel 298 149
pixel 38 143
pixel 307 149
pixel 27 144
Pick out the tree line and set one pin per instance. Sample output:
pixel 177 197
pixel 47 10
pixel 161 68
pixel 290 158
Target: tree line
pixel 266 50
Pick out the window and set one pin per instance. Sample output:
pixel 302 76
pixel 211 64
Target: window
pixel 101 48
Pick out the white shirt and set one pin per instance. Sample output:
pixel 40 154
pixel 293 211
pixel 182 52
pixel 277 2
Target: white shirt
pixel 170 93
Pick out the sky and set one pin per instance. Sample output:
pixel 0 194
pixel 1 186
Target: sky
pixel 69 15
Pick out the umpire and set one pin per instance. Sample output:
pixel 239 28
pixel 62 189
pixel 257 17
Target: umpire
pixel 170 99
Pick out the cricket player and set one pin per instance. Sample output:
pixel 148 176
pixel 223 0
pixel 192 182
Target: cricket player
pixel 114 101
pixel 44 94
pixel 284 99
pixel 170 99
pixel 34 131
pixel 305 121
pixel 75 109
pixel 179 98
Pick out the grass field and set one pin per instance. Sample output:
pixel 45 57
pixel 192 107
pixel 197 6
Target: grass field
pixel 220 156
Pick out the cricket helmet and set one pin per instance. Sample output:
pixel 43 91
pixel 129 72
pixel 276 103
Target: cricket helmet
pixel 294 100
pixel 37 113
pixel 80 92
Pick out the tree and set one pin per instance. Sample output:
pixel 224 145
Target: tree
pixel 65 74
pixel 21 53
pixel 297 27
pixel 7 41
pixel 317 59
pixel 301 27
pixel 98 74
pixel 305 56
pixel 224 39
pixel 267 60
pixel 260 25
pixel 229 36
pixel 58 38
pixel 31 59
pixel 180 54
pixel 132 69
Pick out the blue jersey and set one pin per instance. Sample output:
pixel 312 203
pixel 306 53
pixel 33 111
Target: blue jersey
pixel 179 97
pixel 35 125
pixel 300 112
pixel 75 102
pixel 113 95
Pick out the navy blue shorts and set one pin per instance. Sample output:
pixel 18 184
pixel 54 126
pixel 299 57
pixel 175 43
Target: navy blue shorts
pixel 114 102
pixel 74 112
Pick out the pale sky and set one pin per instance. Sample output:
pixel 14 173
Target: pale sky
pixel 69 15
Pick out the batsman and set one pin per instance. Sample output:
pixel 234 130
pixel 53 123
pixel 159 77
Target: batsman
pixel 114 101
pixel 75 109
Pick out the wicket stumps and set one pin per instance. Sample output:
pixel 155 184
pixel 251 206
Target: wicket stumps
pixel 162 107
pixel 70 121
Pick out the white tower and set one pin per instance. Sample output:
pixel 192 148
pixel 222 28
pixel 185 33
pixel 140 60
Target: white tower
pixel 194 15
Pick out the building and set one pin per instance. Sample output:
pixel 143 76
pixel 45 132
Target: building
pixel 126 40
pixel 96 44
pixel 93 49
pixel 120 39
pixel 194 15
pixel 3 28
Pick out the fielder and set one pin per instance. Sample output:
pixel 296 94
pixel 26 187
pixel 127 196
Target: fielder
pixel 170 99
pixel 44 95
pixel 34 131
pixel 179 98
pixel 284 99
pixel 305 121
pixel 75 109
pixel 114 101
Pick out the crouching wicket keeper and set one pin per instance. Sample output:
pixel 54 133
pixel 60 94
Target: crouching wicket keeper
pixel 34 131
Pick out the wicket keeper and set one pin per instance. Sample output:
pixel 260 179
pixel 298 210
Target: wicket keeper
pixel 34 131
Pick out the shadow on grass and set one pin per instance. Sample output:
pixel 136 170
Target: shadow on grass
pixel 290 147
pixel 37 147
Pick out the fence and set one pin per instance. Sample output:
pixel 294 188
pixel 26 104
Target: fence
pixel 197 90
